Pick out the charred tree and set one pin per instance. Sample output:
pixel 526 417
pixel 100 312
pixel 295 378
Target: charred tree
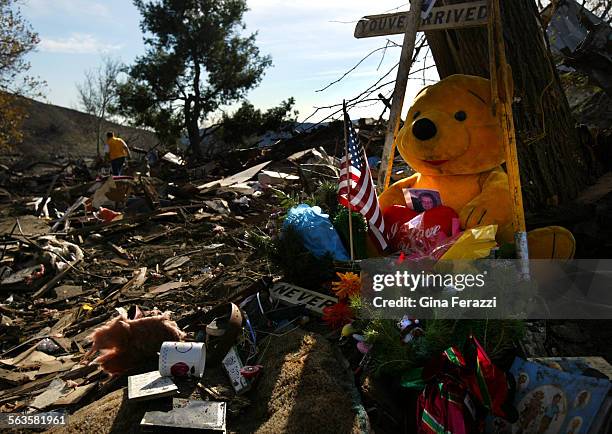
pixel 555 166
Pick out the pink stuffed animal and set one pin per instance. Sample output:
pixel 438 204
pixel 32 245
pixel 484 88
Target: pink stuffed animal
pixel 125 344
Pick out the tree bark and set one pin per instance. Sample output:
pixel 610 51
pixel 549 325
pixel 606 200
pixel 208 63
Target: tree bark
pixel 193 133
pixel 193 112
pixel 555 166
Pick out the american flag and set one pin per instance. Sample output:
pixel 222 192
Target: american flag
pixel 356 183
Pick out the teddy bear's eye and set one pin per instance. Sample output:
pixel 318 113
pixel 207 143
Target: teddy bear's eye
pixel 416 115
pixel 460 115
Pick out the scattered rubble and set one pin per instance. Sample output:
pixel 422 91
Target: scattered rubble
pixel 112 265
pixel 96 273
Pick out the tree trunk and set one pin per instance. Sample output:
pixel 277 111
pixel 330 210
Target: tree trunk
pixel 195 140
pixel 193 129
pixel 98 136
pixel 194 118
pixel 555 166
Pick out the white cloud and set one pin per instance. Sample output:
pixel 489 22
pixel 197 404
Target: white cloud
pixel 77 43
pixel 325 7
pixel 340 72
pixel 69 7
pixel 354 53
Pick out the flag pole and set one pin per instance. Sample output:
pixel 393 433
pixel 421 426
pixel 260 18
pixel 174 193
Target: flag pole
pixel 348 179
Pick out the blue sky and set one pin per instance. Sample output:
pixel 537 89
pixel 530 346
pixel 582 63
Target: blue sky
pixel 311 43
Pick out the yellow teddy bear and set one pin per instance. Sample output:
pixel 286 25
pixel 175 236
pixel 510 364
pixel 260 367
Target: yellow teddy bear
pixel 453 141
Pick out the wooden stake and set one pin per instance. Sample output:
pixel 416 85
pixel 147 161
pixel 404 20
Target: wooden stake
pixel 401 81
pixel 502 79
pixel 348 180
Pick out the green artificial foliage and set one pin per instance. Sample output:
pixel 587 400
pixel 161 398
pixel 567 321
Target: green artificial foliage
pixel 391 356
pixel 299 265
pixel 360 232
pixel 288 201
pixel 326 197
pixel 295 262
pixel 263 244
pixel 388 354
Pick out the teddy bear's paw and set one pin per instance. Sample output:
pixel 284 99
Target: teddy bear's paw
pixel 473 215
pixel 551 242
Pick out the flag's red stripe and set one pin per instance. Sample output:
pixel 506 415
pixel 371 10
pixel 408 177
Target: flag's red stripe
pixel 359 186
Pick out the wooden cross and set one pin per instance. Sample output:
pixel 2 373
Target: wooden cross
pixel 408 23
pixel 451 17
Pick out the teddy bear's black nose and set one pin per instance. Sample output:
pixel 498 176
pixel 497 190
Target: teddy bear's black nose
pixel 424 129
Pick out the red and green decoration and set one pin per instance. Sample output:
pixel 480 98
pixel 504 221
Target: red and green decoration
pixel 461 390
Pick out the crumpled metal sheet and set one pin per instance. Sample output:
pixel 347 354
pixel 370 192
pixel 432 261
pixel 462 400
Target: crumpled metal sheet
pixel 565 31
pixel 581 40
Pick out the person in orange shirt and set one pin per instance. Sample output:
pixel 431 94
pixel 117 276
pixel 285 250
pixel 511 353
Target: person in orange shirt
pixel 116 150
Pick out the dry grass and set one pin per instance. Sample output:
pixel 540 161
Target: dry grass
pixel 304 388
pixel 50 130
pixel 110 414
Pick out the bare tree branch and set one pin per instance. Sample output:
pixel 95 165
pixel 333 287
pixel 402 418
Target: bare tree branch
pixel 376 86
pixel 98 93
pixel 352 68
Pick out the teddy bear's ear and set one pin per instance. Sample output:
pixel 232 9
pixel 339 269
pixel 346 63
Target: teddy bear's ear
pixel 501 89
pixel 421 91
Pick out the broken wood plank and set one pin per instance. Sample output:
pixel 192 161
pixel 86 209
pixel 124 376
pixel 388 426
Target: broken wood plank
pixel 50 395
pixel 80 201
pixel 60 364
pixel 10 394
pixel 136 282
pixel 76 395
pixel 120 251
pixel 64 322
pixel 121 262
pixel 16 378
pixel 33 360
pixel 399 92
pixel 64 292
pixel 175 262
pixel 51 283
pixel 88 323
pixel 237 178
pixel 164 288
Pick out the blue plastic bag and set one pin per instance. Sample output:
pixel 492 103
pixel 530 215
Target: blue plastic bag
pixel 319 235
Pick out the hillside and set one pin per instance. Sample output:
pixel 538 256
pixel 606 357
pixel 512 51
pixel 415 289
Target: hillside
pixel 51 131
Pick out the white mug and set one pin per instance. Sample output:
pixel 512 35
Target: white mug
pixel 182 359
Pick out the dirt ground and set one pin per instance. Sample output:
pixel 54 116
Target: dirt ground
pixel 303 380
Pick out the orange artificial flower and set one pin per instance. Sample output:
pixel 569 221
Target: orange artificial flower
pixel 350 284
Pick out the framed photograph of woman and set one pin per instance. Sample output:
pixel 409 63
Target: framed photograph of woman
pixel 422 200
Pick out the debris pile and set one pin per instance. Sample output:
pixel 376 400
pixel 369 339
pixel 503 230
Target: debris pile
pixel 580 44
pixel 221 297
pixel 97 272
